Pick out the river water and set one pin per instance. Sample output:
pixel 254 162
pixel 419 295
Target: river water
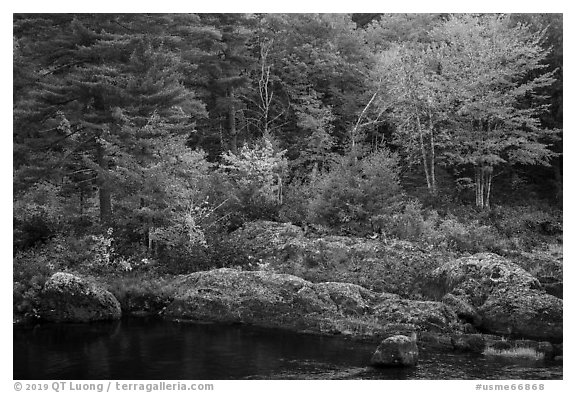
pixel 148 349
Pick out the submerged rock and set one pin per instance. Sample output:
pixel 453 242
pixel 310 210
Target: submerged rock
pixel 396 351
pixel 68 298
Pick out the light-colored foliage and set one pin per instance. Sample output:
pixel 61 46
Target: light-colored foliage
pixel 257 171
pixel 471 98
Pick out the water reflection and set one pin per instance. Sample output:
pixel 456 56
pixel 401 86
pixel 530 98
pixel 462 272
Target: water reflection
pixel 155 349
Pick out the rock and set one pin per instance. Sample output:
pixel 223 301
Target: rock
pixel 469 328
pixel 463 309
pixel 469 343
pixel 263 239
pixel 68 298
pixel 402 316
pixel 395 267
pixel 546 265
pixel 435 341
pixel 523 312
pixel 259 298
pixel 284 301
pixel 501 345
pixel 558 349
pixel 552 287
pixel 396 351
pixel 546 348
pixel 350 299
pixel 499 297
pixel 477 276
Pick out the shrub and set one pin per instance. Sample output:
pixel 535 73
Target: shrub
pixel 218 251
pixel 297 196
pixel 38 215
pixel 257 173
pixel 470 237
pixel 137 292
pixel 228 252
pixel 354 191
pixel 31 269
pixel 409 224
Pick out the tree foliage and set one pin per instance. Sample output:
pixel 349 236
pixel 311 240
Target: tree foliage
pixel 472 97
pixel 173 129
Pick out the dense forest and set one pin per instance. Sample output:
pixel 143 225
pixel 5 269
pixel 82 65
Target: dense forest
pixel 143 142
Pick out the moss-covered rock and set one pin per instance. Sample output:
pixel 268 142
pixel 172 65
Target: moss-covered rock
pixel 284 301
pixel 524 312
pixel 68 298
pixel 403 316
pixel 507 299
pixel 477 276
pixel 383 266
pixel 463 309
pixel 396 351
pixel 547 266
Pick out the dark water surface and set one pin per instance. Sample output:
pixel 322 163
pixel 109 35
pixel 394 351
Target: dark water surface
pixel 156 349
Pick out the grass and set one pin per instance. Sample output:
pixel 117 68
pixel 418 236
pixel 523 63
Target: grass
pixel 142 291
pixel 517 353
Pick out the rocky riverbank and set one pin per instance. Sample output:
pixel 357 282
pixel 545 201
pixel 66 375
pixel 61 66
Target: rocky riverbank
pixel 478 295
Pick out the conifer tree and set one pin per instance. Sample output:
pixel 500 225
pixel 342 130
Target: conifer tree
pixel 106 90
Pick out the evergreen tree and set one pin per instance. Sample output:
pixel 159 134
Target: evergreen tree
pixel 103 84
pixel 224 70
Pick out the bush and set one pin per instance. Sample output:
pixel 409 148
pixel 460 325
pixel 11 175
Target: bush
pixel 297 196
pixel 31 269
pixel 408 224
pixel 38 215
pixel 471 237
pixel 527 227
pixel 257 174
pixel 353 192
pixel 137 292
pixel 218 251
pixel 228 252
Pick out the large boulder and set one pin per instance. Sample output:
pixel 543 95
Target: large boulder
pixel 68 298
pixel 280 300
pixel 396 351
pixel 523 312
pixel 498 296
pixel 463 309
pixel 546 265
pixel 402 316
pixel 391 266
pixel 476 276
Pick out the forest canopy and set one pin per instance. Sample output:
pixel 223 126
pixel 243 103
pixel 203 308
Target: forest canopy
pixel 153 136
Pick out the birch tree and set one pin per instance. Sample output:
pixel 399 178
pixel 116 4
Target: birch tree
pixel 494 74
